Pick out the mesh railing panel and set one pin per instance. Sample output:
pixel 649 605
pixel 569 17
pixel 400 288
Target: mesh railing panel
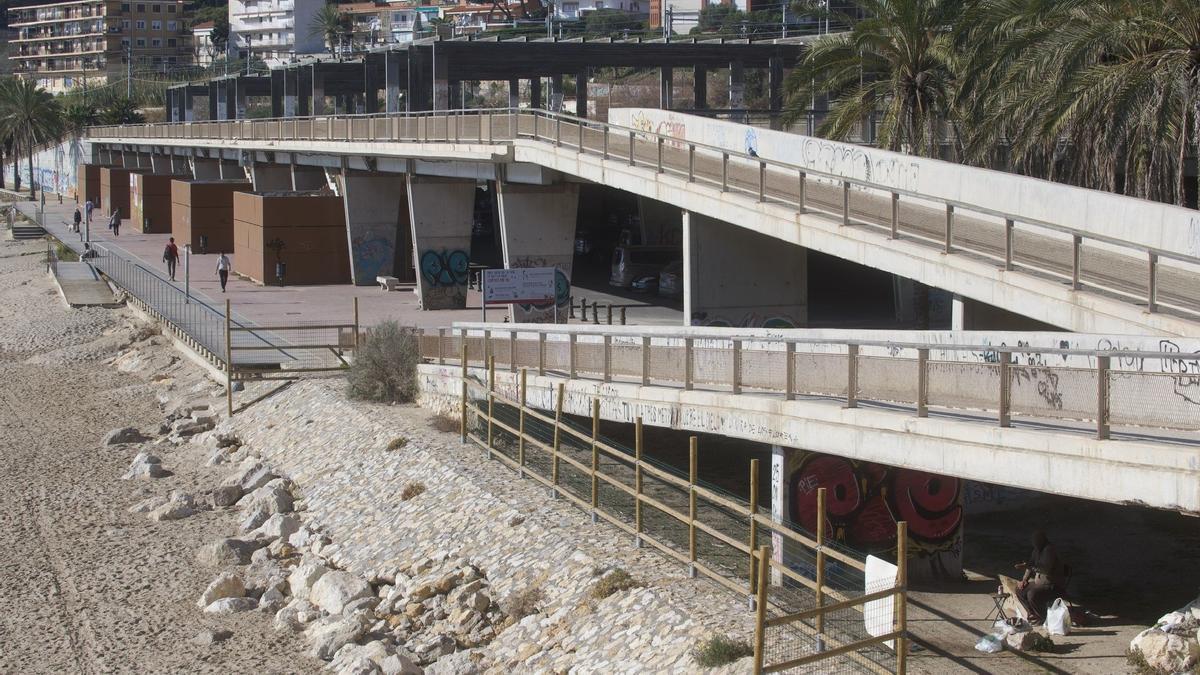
pixel 1063 393
pixel 764 369
pixel 821 374
pixel 887 379
pixel 1170 399
pixel 956 384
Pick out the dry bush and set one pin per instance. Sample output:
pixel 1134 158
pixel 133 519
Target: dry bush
pixel 411 490
pixel 613 582
pixel 397 443
pixel 445 423
pixel 720 650
pixel 520 604
pixel 385 366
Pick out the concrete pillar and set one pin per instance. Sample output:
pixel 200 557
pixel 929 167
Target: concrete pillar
pixel 204 168
pixel 317 91
pixel 739 278
pixel 419 93
pixel 271 177
pixel 303 92
pixel 958 313
pixel 700 87
pixel 775 83
pixel 173 114
pixel 581 93
pixel 535 92
pixel 189 104
pixel 537 226
pixel 455 93
pixel 372 83
pixel 377 227
pixel 441 82
pixel 278 84
pixel 737 85
pixel 556 92
pixel 216 111
pixel 441 212
pixel 666 87
pixel 391 82
pixel 514 93
pixel 780 496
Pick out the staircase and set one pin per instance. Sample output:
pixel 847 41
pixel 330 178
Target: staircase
pixel 26 232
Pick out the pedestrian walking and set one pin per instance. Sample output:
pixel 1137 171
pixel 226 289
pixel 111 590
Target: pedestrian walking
pixel 171 256
pixel 76 219
pixel 223 269
pixel 87 210
pixel 114 223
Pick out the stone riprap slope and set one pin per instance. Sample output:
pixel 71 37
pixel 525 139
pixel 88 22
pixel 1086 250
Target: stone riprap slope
pixel 474 521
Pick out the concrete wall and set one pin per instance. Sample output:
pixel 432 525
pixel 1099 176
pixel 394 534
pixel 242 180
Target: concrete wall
pixel 204 208
pixel 537 226
pixel 114 190
pixel 88 184
pixel 738 278
pixel 441 212
pixel 310 226
pixel 1149 223
pixel 377 226
pixel 56 168
pixel 150 202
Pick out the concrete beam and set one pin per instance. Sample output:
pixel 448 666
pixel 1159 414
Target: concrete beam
pixel 581 93
pixel 441 213
pixel 377 226
pixel 737 85
pixel 741 279
pixel 537 227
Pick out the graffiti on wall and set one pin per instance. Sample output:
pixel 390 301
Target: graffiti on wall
pixel 864 501
pixel 544 312
pixel 674 129
pixel 372 256
pixel 1186 372
pixel 444 278
pixel 747 320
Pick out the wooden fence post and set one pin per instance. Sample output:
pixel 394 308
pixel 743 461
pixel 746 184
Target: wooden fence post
pixel 753 509
pixel 521 425
pixel 441 352
pixel 595 456
pixel 637 482
pixel 491 403
pixel 356 328
pixel 901 598
pixel 692 474
pixel 462 427
pixel 558 408
pixel 541 364
pixel 760 608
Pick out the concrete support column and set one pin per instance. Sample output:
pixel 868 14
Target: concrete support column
pixel 780 496
pixel 535 92
pixel 514 93
pixel 700 87
pixel 189 104
pixel 441 212
pixel 739 278
pixel 277 92
pixel 204 168
pixel 304 104
pixel 232 95
pixel 317 90
pixel 372 83
pixel 216 110
pixel 556 93
pixel 737 85
pixel 666 87
pixel 271 177
pixel 581 93
pixel 958 313
pixel 537 226
pixel 775 83
pixel 377 226
pixel 391 82
pixel 441 82
pixel 455 93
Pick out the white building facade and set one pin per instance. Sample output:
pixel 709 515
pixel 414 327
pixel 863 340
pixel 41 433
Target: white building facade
pixel 274 30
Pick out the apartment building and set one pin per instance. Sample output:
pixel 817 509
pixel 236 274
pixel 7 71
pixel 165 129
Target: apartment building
pixel 204 49
pixel 274 30
pixel 89 42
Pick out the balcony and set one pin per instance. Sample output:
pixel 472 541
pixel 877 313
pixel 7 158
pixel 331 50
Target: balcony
pixel 261 26
pixel 42 36
pixel 18 18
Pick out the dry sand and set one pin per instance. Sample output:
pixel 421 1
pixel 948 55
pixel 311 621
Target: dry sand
pixel 86 586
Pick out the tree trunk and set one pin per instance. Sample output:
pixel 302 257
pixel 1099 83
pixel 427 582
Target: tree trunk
pixel 16 169
pixel 32 182
pixel 1180 191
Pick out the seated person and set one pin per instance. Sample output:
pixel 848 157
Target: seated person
pixel 1044 580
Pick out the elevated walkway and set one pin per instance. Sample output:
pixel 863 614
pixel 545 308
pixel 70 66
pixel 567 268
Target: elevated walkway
pixel 1120 423
pixel 1081 260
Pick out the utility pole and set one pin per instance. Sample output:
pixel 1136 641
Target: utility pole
pixel 783 20
pixel 550 20
pixel 667 24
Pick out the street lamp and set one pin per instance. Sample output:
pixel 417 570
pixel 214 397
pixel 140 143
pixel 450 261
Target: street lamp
pixel 187 273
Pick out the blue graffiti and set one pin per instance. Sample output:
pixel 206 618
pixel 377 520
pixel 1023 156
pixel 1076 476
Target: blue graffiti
pixel 371 256
pixel 445 268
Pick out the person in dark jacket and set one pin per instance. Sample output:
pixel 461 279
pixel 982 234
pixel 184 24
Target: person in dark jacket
pixel 1044 580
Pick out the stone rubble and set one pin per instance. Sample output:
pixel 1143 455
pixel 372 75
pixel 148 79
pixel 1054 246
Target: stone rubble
pixel 1172 644
pixel 123 436
pixel 145 465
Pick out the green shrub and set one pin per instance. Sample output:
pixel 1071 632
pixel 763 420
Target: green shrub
pixel 65 254
pixel 385 366
pixel 615 581
pixel 445 423
pixel 720 650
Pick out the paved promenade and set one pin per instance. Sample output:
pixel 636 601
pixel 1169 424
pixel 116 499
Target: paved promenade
pixel 267 305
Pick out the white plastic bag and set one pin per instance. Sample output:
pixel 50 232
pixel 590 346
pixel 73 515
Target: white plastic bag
pixel 1058 618
pixel 990 643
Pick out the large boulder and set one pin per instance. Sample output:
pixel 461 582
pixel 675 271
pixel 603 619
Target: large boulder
pixel 1167 652
pixel 273 497
pixel 334 590
pixel 228 551
pixel 124 435
pixel 226 606
pixel 226 495
pixel 306 574
pixel 227 585
pixel 145 465
pixel 251 475
pixel 278 526
pixel 329 635
pixel 178 507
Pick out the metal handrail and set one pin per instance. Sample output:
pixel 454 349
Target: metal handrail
pixel 1077 235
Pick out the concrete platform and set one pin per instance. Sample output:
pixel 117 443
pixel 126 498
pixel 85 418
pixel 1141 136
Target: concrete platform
pixel 81 286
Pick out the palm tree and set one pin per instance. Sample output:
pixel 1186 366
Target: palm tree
pixel 900 61
pixel 121 111
pixel 331 25
pixel 1102 93
pixel 31 116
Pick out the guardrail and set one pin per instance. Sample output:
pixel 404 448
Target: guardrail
pixel 1090 388
pixel 805 613
pixel 1132 271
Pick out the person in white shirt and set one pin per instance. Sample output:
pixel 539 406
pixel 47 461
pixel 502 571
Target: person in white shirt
pixel 223 266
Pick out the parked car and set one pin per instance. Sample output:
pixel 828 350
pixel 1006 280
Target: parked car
pixel 630 263
pixel 670 280
pixel 645 284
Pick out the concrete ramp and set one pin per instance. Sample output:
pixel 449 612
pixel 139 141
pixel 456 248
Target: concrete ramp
pixel 81 286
